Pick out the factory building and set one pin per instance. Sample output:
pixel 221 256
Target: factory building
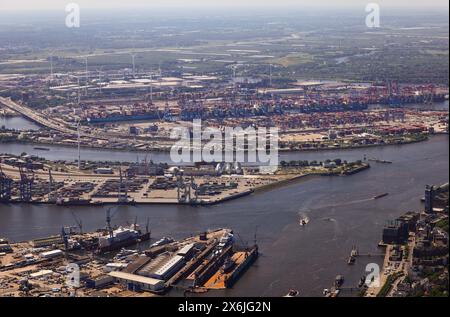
pixel 45 242
pixel 99 282
pixel 169 268
pixel 138 283
pixel 51 254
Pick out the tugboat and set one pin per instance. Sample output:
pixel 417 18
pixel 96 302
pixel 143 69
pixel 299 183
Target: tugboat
pixel 292 293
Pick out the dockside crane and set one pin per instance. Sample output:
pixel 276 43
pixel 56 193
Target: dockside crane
pixel 5 186
pixel 78 222
pixel 65 239
pixel 108 222
pixel 26 185
pixel 123 191
pixel 51 188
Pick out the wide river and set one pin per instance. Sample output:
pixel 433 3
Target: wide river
pixel 341 210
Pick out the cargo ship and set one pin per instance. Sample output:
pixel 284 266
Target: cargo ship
pixel 118 118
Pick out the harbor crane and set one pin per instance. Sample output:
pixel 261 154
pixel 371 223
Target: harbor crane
pixel 123 190
pixel 26 185
pixel 185 188
pixel 5 186
pixel 78 222
pixel 108 221
pixel 51 188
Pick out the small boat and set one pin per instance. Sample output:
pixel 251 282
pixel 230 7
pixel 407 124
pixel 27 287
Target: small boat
pixel 380 196
pixel 304 221
pixel 351 260
pixel 362 282
pixel 161 242
pixel 292 293
pixel 339 281
pixel 41 148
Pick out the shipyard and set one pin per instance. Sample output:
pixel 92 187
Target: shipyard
pixel 42 267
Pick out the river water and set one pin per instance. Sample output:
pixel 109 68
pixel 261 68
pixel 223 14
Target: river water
pixel 17 123
pixel 341 211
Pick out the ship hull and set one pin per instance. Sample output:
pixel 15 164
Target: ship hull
pixel 124 243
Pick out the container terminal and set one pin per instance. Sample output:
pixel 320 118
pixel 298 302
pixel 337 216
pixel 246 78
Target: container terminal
pixel 207 261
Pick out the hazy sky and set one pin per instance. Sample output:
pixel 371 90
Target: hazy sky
pixel 113 4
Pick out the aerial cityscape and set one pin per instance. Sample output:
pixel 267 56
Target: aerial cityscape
pixel 231 150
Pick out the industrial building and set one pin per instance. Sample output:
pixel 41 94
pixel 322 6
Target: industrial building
pixel 45 242
pixel 138 283
pixel 163 267
pixel 51 254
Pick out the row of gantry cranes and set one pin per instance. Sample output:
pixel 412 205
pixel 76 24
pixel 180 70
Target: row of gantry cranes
pixel 187 189
pixel 25 186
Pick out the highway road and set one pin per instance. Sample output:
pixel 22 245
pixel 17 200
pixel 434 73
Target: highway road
pixel 36 116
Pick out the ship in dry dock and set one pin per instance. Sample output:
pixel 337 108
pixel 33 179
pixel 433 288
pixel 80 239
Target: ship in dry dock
pixel 232 268
pixel 120 237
